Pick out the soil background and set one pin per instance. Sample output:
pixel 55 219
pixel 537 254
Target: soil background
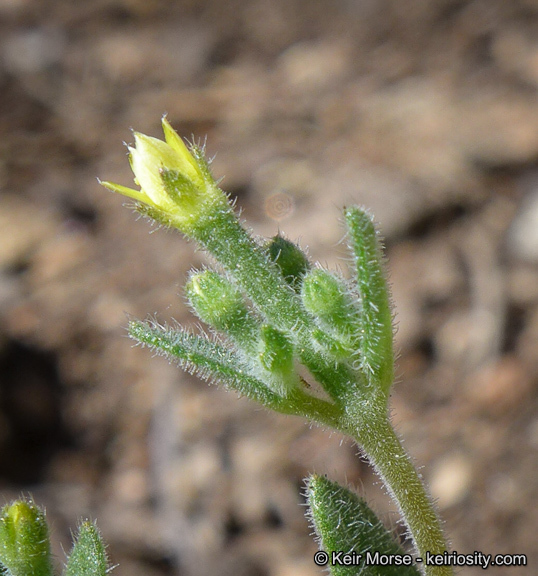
pixel 426 111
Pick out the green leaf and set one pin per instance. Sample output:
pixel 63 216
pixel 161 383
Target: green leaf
pixel 88 555
pixel 208 359
pixel 376 357
pixel 346 524
pixel 214 362
pixel 24 540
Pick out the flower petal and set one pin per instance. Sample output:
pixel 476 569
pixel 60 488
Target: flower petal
pixel 173 140
pixel 130 192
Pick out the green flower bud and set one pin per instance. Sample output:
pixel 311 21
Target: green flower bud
pixel 291 260
pixel 276 356
pixel 24 540
pixel 326 297
pixel 220 304
pixel 175 184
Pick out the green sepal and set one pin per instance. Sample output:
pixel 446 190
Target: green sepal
pixel 88 556
pixel 24 540
pixel 180 189
pixel 159 217
pixel 376 357
pixel 218 303
pixel 204 164
pixel 344 522
pixel 290 259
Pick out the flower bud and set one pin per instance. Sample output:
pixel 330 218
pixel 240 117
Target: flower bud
pixel 24 540
pixel 276 357
pixel 220 304
pixel 291 260
pixel 325 296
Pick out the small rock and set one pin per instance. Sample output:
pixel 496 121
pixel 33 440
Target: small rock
pixel 523 234
pixel 33 50
pixel 498 387
pixel 22 227
pixel 451 480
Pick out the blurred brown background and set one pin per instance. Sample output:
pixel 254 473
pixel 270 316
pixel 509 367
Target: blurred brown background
pixel 426 111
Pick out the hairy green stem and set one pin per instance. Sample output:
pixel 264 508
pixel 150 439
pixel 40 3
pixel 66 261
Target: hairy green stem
pixel 222 235
pixel 384 450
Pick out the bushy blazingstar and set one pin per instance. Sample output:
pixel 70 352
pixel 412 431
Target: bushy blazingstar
pixel 296 338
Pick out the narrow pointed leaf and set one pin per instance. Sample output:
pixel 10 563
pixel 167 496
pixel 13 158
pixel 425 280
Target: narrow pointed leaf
pixel 375 328
pixel 88 556
pixel 214 362
pixel 208 359
pixel 345 523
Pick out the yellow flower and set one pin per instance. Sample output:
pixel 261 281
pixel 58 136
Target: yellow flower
pixel 171 180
